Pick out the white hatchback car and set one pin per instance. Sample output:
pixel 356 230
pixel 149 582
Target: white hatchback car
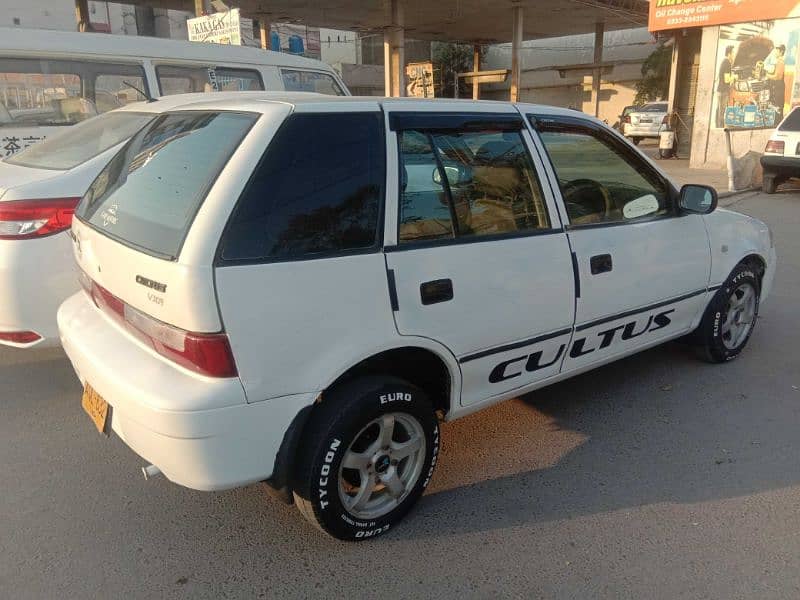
pixel 39 189
pixel 781 158
pixel 298 291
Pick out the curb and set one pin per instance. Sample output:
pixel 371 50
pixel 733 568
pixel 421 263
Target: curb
pixel 723 195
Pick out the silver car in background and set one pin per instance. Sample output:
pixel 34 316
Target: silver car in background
pixel 645 121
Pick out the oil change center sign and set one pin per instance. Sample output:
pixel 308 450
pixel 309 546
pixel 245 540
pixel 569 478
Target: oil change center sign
pixel 677 14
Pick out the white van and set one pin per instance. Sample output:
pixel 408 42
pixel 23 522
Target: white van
pixel 49 79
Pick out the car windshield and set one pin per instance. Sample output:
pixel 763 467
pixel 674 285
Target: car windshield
pixel 74 146
pixel 149 193
pixel 653 108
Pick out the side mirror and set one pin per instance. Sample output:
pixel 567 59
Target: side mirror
pixel 456 175
pixel 698 199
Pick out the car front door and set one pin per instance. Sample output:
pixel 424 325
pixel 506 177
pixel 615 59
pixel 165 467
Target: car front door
pixel 476 251
pixel 642 267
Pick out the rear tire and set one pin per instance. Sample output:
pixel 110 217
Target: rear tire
pixel 731 316
pixel 367 455
pixel 770 184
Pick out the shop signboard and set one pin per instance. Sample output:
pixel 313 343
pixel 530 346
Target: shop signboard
pixel 420 80
pixel 755 76
pixel 678 14
pixel 227 27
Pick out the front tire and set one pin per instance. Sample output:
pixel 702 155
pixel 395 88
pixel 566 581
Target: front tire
pixel 367 455
pixel 636 140
pixel 731 316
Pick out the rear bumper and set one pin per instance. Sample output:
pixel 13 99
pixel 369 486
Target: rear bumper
pixel 198 431
pixel 785 165
pixel 36 276
pixel 642 130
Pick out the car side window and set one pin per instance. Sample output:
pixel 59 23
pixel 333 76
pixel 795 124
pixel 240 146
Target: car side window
pixel 601 180
pixel 467 184
pixel 318 191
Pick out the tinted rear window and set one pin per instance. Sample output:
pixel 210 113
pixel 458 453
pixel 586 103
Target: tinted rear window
pixel 149 193
pixel 82 142
pixel 317 192
pixel 653 108
pixel 792 122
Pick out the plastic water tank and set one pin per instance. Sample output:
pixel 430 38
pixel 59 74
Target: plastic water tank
pixel 274 41
pixel 296 45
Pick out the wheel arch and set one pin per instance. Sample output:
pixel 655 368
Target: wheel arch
pixel 421 362
pixel 757 262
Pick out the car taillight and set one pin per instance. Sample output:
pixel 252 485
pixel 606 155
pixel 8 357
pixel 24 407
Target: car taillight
pixel 26 219
pixel 205 353
pixel 20 337
pixel 775 146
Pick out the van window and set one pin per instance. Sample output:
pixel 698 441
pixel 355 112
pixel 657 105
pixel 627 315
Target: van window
pixel 177 79
pixel 82 142
pixel 39 92
pixel 317 191
pixel 310 81
pixel 149 193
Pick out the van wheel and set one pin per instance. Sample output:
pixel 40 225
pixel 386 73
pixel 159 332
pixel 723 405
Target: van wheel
pixel 731 316
pixel 367 455
pixel 636 140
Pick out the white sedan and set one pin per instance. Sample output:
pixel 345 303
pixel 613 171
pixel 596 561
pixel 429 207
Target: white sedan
pixel 39 189
pixel 645 121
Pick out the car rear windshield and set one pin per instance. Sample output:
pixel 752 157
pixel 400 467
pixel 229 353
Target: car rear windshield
pixel 791 122
pixel 76 145
pixel 653 108
pixel 151 190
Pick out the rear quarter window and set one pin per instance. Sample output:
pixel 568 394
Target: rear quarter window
pixel 791 122
pixel 149 193
pixel 317 192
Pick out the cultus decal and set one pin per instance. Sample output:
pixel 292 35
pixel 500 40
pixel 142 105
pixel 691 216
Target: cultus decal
pixel 541 359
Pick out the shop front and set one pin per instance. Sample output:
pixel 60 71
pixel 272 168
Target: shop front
pixel 734 68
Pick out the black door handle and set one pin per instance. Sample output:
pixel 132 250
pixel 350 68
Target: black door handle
pixel 601 263
pixel 438 290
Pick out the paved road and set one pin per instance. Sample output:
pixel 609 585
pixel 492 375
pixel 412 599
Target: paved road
pixel 656 477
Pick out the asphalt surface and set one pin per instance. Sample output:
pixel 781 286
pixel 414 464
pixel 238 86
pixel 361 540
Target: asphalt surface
pixel 655 477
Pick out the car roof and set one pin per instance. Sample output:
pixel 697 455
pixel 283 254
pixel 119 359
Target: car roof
pixel 259 101
pixel 17 41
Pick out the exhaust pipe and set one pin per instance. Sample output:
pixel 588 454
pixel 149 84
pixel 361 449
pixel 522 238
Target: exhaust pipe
pixel 150 471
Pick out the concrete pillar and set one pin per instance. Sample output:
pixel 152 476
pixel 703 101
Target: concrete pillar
pixel 516 47
pixel 264 27
pixel 673 72
pixel 599 34
pixel 82 15
pixel 476 66
pixel 394 52
pixel 202 7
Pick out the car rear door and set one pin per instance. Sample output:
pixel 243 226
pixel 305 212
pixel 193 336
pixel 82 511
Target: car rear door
pixel 475 251
pixel 643 268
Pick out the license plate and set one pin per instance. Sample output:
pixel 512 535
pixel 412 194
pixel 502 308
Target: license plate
pixel 645 120
pixel 96 408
